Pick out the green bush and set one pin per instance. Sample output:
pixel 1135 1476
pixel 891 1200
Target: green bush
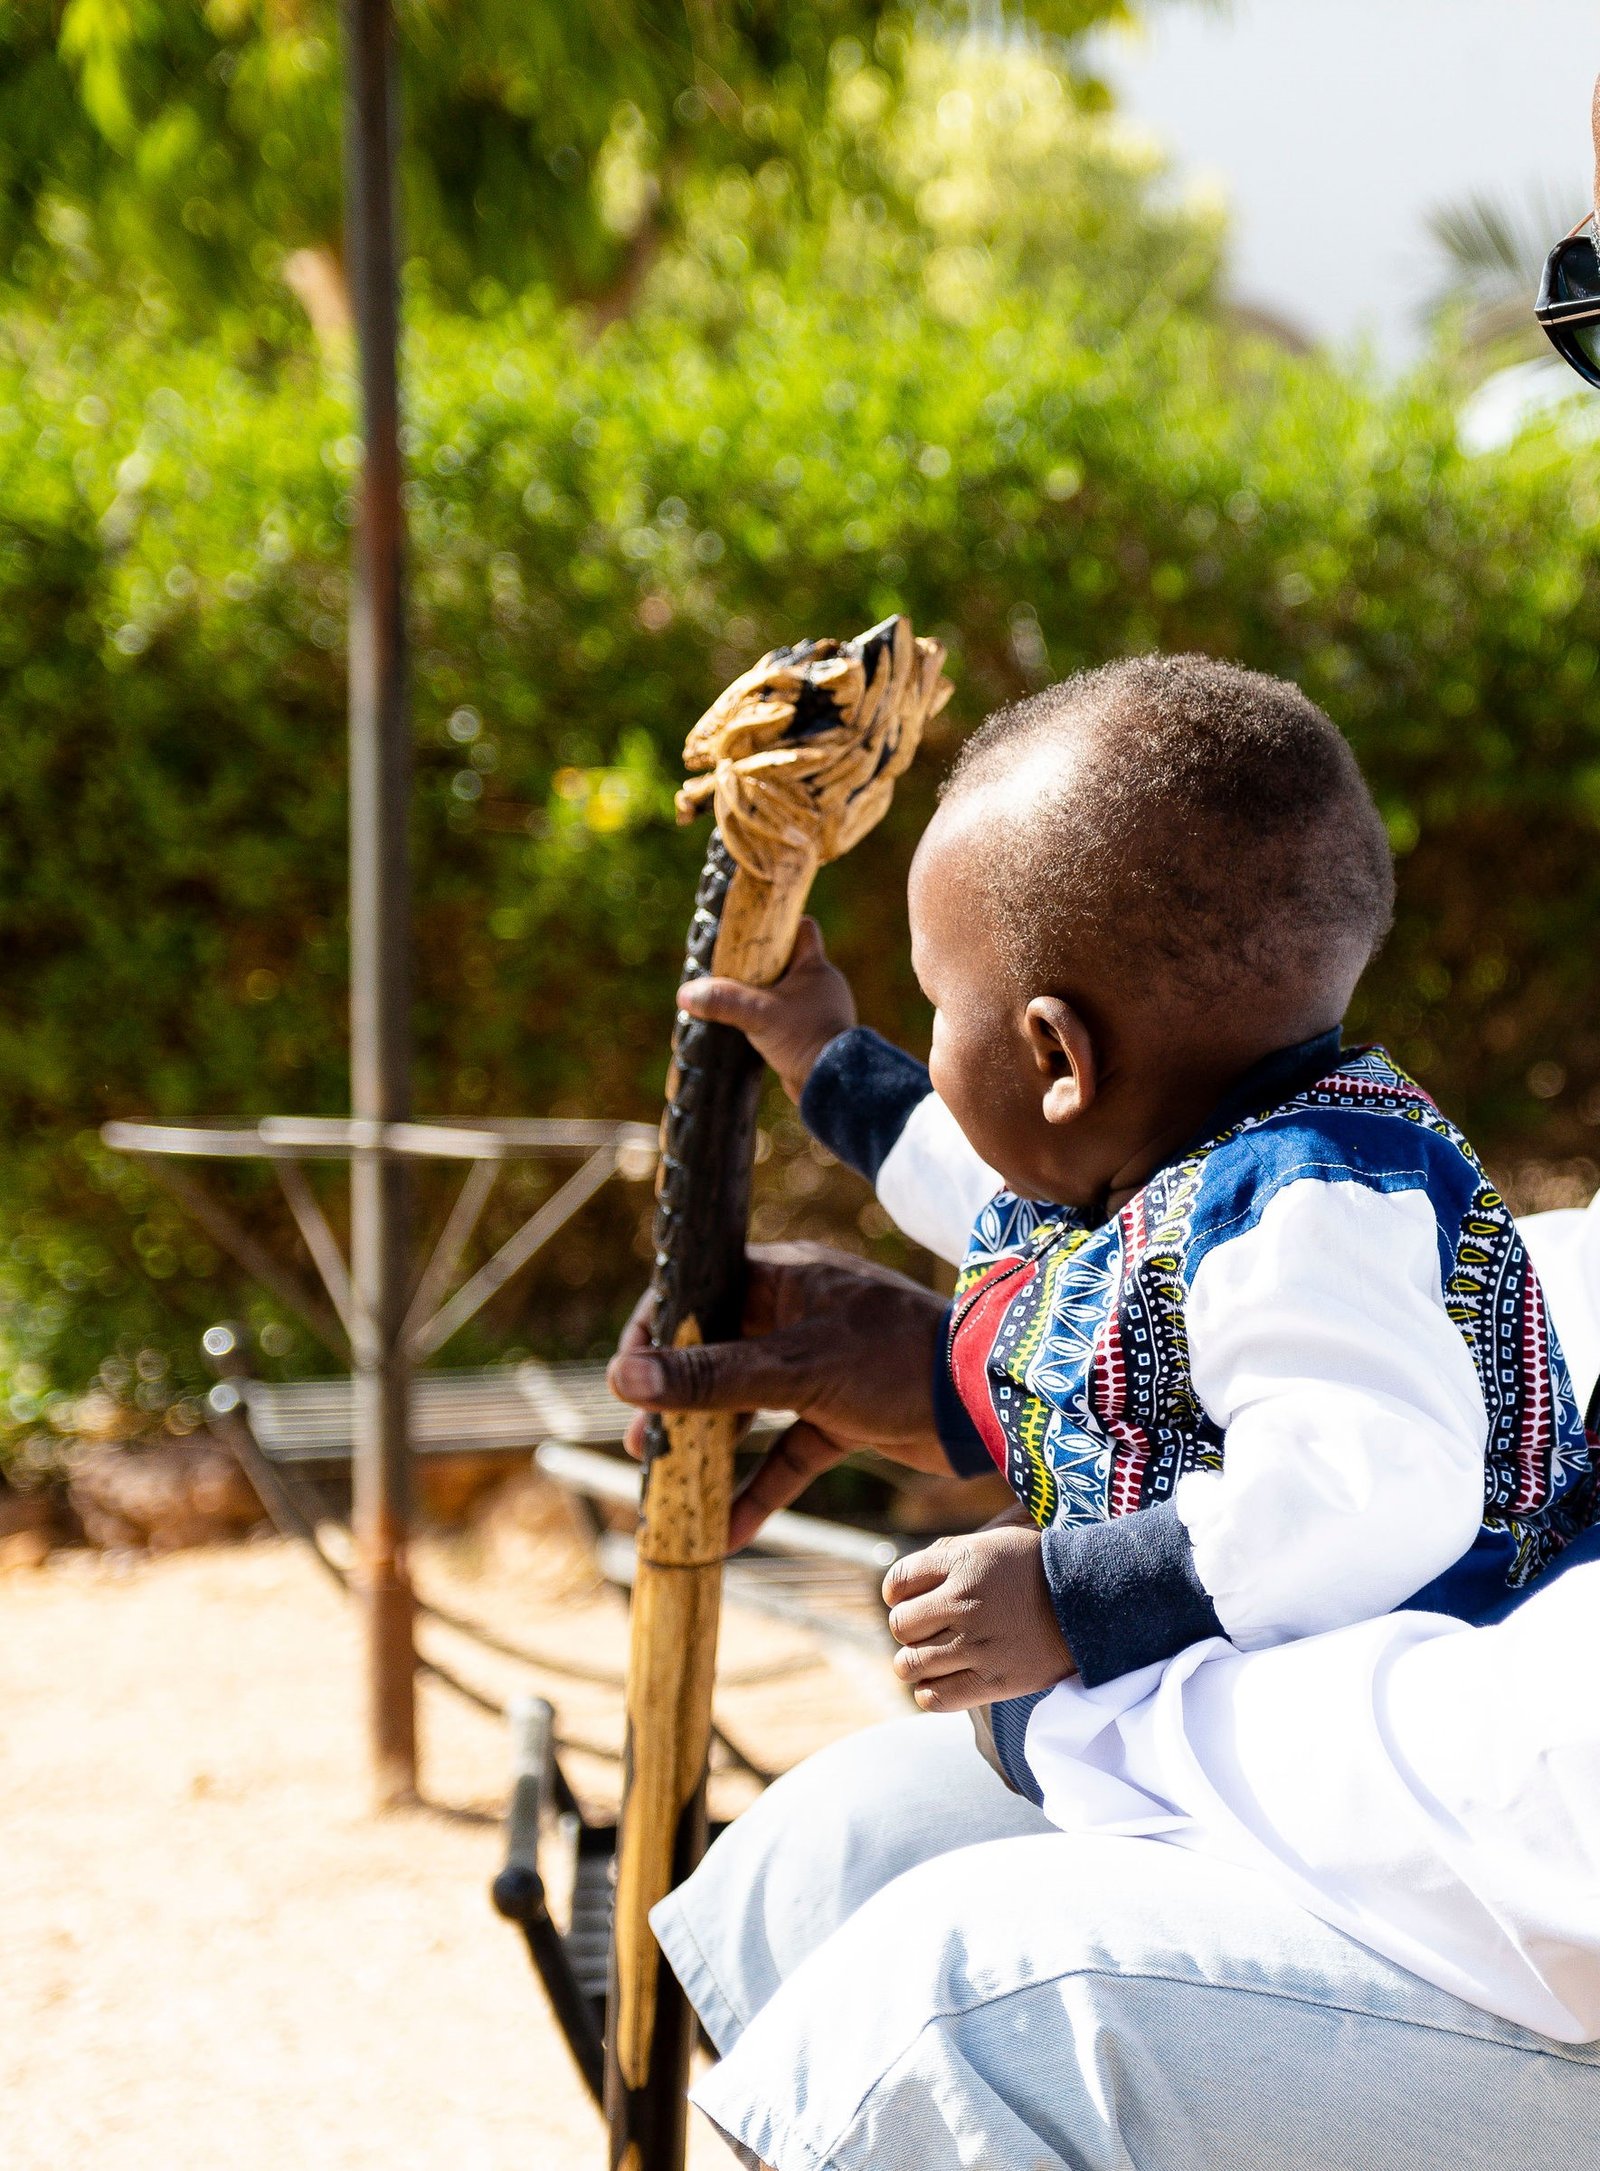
pixel 604 531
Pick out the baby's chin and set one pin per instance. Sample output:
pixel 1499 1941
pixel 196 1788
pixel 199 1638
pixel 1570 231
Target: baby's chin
pixel 1024 1181
pixel 1049 1197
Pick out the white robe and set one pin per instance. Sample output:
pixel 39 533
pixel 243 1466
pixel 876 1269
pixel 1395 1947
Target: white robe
pixel 1431 1789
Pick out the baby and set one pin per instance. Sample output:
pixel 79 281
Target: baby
pixel 1240 1318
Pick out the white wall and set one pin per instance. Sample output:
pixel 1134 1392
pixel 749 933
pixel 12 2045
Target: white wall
pixel 1335 126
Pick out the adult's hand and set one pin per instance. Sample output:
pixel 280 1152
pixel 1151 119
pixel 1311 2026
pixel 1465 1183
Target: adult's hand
pixel 847 1345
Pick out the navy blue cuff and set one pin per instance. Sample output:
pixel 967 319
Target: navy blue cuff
pixel 1126 1592
pixel 958 1435
pixel 860 1095
pixel 1008 1730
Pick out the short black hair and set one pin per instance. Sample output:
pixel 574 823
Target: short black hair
pixel 1203 820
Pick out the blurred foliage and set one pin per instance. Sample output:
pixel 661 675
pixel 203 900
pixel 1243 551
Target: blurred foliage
pixel 193 149
pixel 960 357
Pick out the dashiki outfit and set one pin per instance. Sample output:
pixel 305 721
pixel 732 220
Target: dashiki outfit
pixel 1304 1376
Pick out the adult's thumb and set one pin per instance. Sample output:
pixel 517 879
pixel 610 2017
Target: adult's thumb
pixel 702 1376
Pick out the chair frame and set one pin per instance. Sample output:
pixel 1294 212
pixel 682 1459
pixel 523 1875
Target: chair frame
pixel 437 1310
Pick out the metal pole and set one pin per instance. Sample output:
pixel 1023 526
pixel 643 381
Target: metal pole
pixel 380 931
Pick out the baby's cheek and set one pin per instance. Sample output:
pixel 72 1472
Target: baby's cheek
pixel 938 1056
pixel 983 1108
pixel 957 1075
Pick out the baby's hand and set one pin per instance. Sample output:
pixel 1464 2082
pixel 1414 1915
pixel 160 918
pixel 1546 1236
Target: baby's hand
pixel 975 1619
pixel 790 1023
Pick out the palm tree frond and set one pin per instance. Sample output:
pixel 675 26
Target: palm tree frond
pixel 1489 252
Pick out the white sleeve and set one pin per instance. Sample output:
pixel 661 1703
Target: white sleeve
pixel 1354 1425
pixel 932 1184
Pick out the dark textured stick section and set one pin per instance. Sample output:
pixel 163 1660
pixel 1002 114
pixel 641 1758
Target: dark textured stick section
pixel 708 1137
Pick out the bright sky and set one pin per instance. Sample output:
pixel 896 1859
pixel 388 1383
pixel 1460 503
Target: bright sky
pixel 1335 126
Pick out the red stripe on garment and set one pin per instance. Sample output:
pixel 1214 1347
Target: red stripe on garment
pixel 983 1311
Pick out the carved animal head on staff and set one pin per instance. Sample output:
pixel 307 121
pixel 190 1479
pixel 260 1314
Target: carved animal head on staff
pixel 800 756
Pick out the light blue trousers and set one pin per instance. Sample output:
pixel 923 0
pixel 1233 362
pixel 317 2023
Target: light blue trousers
pixel 906 1969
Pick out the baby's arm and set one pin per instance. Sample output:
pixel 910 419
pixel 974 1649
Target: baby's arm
pixel 866 1100
pixel 1354 1431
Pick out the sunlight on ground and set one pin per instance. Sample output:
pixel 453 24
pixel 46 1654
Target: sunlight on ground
pixel 214 1955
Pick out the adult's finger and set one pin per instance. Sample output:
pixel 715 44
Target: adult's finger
pixel 762 1285
pixel 636 1334
pixel 782 1475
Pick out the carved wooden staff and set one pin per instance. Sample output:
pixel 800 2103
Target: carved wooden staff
pixel 799 758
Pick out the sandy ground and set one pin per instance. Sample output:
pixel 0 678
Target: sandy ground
pixel 212 1953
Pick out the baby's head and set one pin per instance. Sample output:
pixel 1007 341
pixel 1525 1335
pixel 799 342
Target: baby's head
pixel 1138 883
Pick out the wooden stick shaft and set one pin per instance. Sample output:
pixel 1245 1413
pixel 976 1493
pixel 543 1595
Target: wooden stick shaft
pixel 744 929
pixel 799 757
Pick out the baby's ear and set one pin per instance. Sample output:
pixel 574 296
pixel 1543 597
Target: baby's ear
pixel 1063 1055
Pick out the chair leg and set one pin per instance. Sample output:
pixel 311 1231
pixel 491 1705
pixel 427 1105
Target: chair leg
pixel 519 1892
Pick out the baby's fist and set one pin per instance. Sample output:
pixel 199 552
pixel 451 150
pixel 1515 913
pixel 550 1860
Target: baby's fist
pixel 974 1620
pixel 790 1023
